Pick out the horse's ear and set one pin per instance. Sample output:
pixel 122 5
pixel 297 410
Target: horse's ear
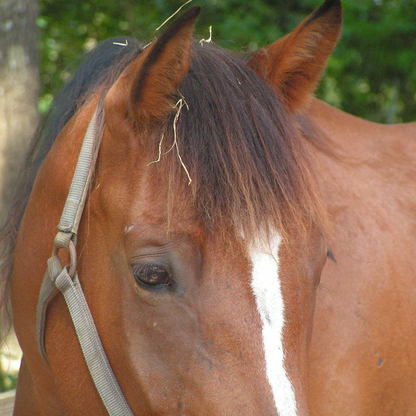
pixel 293 65
pixel 149 83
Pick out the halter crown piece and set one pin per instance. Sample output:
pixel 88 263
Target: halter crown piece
pixel 65 278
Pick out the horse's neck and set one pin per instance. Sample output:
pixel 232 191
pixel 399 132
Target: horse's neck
pixel 356 136
pixel 372 171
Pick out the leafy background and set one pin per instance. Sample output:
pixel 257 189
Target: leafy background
pixel 371 74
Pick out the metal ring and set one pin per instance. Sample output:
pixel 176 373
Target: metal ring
pixel 73 259
pixel 72 267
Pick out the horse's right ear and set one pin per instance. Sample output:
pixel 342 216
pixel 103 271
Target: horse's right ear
pixel 147 87
pixel 293 65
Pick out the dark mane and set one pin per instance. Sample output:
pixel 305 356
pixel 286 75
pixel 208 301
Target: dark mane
pixel 243 150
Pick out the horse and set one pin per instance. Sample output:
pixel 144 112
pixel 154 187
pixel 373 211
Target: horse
pixel 243 248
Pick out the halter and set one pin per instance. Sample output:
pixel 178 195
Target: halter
pixel 65 278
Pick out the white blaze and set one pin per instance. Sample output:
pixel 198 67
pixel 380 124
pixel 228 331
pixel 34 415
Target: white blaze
pixel 266 287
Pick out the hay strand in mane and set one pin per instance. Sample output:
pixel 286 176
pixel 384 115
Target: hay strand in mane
pixel 172 15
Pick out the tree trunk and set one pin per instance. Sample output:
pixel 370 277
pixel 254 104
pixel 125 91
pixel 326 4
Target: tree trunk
pixel 19 90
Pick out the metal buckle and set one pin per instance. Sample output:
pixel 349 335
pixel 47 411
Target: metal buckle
pixel 66 241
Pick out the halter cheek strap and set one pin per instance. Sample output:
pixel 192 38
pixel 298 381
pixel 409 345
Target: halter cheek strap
pixel 65 279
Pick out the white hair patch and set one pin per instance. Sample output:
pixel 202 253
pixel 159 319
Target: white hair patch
pixel 265 283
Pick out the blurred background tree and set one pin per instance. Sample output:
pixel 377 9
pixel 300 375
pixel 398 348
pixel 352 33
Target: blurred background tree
pixel 371 74
pixel 19 94
pixel 19 88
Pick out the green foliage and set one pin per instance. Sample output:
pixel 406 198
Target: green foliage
pixel 7 381
pixel 372 72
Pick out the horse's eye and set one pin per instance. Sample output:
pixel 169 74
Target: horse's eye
pixel 152 275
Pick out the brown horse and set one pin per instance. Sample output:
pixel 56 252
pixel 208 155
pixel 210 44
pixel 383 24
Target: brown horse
pixel 245 248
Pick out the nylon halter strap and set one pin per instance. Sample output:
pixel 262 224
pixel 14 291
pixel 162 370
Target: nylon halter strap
pixel 65 278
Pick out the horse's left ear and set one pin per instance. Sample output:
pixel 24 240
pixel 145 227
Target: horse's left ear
pixel 293 65
pixel 148 85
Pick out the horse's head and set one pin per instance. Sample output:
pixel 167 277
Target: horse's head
pixel 201 243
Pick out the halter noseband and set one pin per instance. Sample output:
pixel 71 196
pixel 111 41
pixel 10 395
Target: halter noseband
pixel 65 278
